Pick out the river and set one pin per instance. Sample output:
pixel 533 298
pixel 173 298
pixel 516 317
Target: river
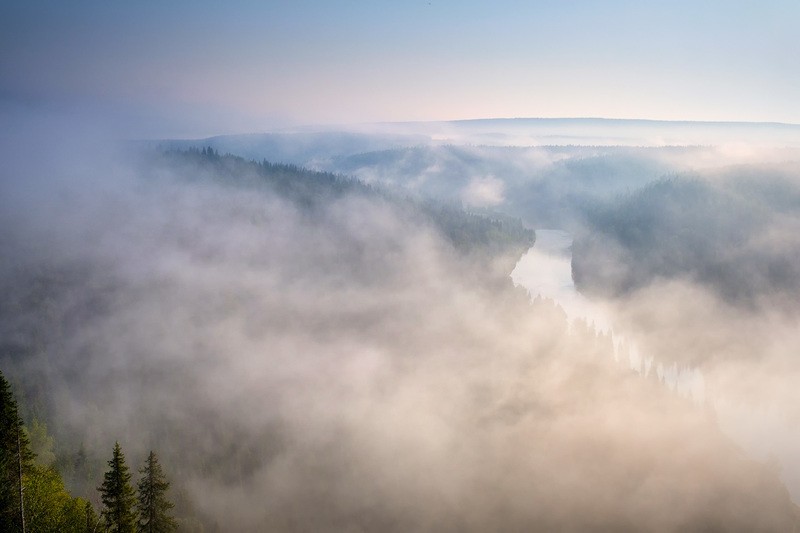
pixel 546 270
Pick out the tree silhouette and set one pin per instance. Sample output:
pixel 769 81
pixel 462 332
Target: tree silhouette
pixel 118 496
pixel 16 459
pixel 153 505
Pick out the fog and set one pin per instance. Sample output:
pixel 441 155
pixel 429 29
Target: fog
pixel 739 363
pixel 345 368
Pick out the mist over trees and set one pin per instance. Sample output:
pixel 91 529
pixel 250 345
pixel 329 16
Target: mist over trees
pixel 733 233
pixel 310 352
pixel 32 494
pixel 153 507
pixel 547 186
pixel 35 498
pixel 690 246
pixel 318 267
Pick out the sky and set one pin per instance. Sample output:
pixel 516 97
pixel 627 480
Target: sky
pixel 181 68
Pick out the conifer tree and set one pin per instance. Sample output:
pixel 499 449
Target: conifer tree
pixel 16 459
pixel 117 495
pixel 153 506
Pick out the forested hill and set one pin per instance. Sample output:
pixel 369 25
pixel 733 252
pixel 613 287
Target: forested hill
pixel 735 233
pixel 477 235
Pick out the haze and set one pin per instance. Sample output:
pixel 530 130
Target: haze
pixel 369 266
pixel 193 69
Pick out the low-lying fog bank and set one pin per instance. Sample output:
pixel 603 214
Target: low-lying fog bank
pixel 311 362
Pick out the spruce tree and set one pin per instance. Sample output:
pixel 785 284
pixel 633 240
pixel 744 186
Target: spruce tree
pixel 16 460
pixel 117 495
pixel 153 506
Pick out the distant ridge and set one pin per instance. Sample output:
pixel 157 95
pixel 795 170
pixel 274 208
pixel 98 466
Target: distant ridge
pixel 312 146
pixel 604 120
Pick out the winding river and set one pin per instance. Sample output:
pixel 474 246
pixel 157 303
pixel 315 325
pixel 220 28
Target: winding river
pixel 546 270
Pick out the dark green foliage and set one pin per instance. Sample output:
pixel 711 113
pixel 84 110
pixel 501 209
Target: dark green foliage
pixel 16 459
pixel 153 506
pixel 118 496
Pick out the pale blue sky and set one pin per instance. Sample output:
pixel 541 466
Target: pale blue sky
pixel 184 67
